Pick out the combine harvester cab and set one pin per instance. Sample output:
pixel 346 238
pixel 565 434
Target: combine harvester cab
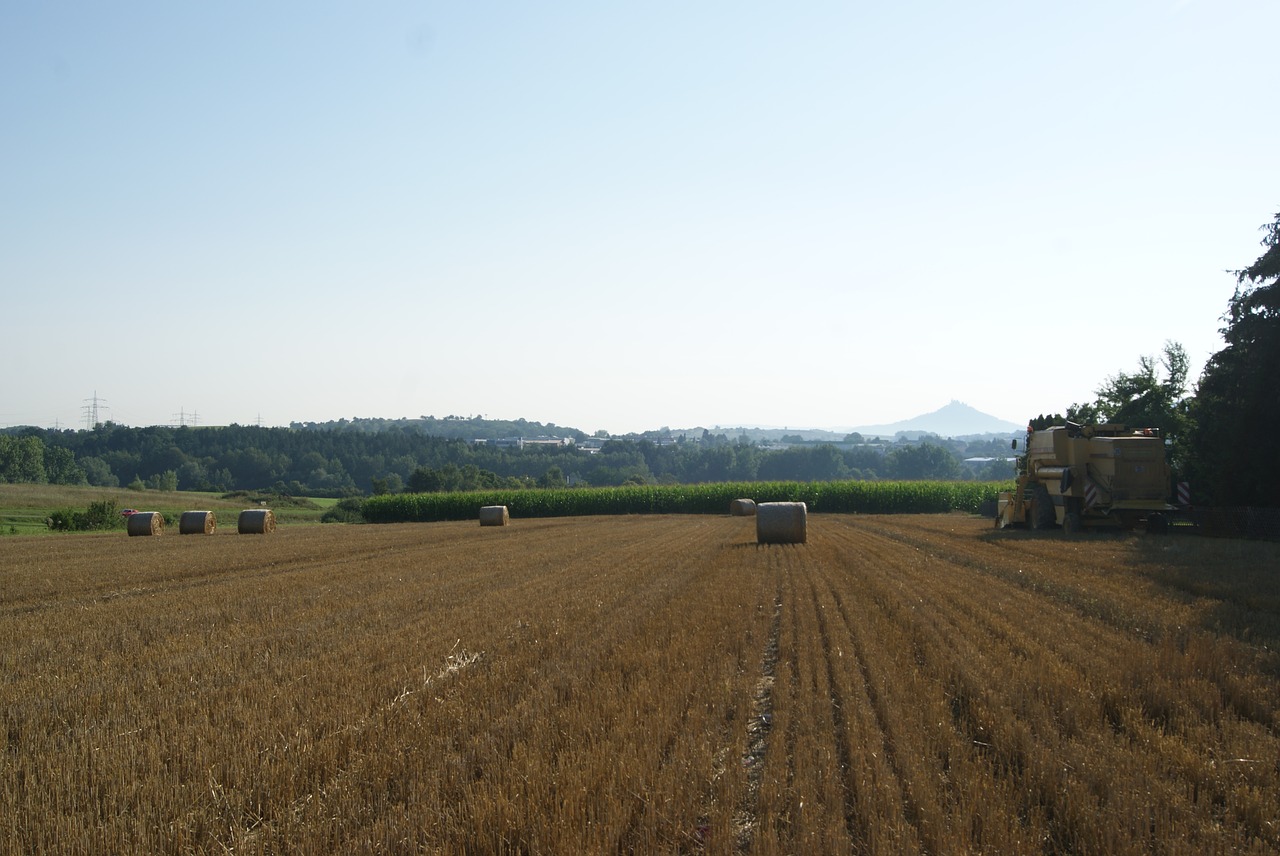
pixel 1077 476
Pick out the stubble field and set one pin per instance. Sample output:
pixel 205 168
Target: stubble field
pixel 640 684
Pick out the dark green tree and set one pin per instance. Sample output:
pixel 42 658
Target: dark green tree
pixel 22 460
pixel 1233 451
pixel 167 480
pixel 1151 397
pixel 98 473
pixel 553 477
pixel 61 468
pixel 425 480
pixel 923 461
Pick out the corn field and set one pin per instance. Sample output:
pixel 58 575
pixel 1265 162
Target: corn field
pixel 847 497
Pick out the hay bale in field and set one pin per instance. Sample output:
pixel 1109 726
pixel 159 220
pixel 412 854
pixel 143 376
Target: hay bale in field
pixel 743 508
pixel 256 521
pixel 494 515
pixel 145 523
pixel 197 523
pixel 781 523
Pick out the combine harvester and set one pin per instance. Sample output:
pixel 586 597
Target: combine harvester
pixel 1089 475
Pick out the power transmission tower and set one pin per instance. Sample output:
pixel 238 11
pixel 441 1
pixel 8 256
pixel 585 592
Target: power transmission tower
pixel 90 409
pixel 181 416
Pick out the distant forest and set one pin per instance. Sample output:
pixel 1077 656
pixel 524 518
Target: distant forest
pixel 360 457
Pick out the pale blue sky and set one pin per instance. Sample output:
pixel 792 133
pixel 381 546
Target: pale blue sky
pixel 619 216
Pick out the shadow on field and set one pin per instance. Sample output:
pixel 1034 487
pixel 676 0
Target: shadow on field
pixel 1238 579
pixel 1241 579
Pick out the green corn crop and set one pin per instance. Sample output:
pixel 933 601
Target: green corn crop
pixel 847 497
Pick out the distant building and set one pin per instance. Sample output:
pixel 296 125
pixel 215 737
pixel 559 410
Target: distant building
pixel 524 442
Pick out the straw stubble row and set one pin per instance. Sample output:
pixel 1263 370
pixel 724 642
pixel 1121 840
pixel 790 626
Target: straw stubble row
pixel 638 684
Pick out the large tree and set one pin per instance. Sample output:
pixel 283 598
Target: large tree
pixel 1234 449
pixel 1151 397
pixel 1155 396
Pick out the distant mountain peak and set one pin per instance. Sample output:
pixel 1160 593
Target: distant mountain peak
pixel 954 419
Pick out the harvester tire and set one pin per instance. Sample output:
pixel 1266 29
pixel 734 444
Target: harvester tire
pixel 1042 514
pixel 1071 522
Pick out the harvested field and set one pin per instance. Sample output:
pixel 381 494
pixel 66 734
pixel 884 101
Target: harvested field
pixel 646 684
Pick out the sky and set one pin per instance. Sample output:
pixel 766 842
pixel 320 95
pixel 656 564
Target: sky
pixel 619 216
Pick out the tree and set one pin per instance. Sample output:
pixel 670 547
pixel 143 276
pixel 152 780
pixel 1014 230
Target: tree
pixel 167 480
pixel 425 480
pixel 61 468
pixel 1155 396
pixel 553 477
pixel 1148 398
pixel 22 460
pixel 1233 452
pixel 98 473
pixel 925 461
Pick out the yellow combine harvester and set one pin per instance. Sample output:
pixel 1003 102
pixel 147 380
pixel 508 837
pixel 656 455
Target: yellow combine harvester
pixel 1089 475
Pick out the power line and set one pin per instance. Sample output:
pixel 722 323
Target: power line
pixel 90 408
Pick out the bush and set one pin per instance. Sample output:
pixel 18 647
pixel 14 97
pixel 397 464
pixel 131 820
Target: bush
pixel 349 510
pixel 99 515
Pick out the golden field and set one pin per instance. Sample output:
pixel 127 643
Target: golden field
pixel 640 684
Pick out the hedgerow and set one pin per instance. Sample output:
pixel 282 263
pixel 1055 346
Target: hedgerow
pixel 846 497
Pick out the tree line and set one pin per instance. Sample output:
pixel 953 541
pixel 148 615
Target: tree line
pixel 342 460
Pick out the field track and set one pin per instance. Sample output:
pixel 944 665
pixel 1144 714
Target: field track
pixel 640 684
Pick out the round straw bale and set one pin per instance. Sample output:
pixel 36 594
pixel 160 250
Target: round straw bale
pixel 743 508
pixel 197 523
pixel 781 523
pixel 256 521
pixel 494 515
pixel 146 523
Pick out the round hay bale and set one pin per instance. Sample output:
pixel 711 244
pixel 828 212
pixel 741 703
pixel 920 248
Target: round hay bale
pixel 145 523
pixel 197 523
pixel 256 521
pixel 781 523
pixel 743 508
pixel 494 515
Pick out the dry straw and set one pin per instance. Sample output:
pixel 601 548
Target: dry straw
pixel 781 523
pixel 256 521
pixel 146 523
pixel 494 515
pixel 197 523
pixel 743 508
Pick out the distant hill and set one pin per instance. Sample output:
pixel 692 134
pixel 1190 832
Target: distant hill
pixel 449 427
pixel 956 419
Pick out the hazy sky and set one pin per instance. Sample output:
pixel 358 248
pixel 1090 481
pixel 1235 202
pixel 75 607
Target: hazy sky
pixel 619 215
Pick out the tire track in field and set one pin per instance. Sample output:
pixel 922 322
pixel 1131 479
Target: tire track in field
pixel 758 729
pixel 770 751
